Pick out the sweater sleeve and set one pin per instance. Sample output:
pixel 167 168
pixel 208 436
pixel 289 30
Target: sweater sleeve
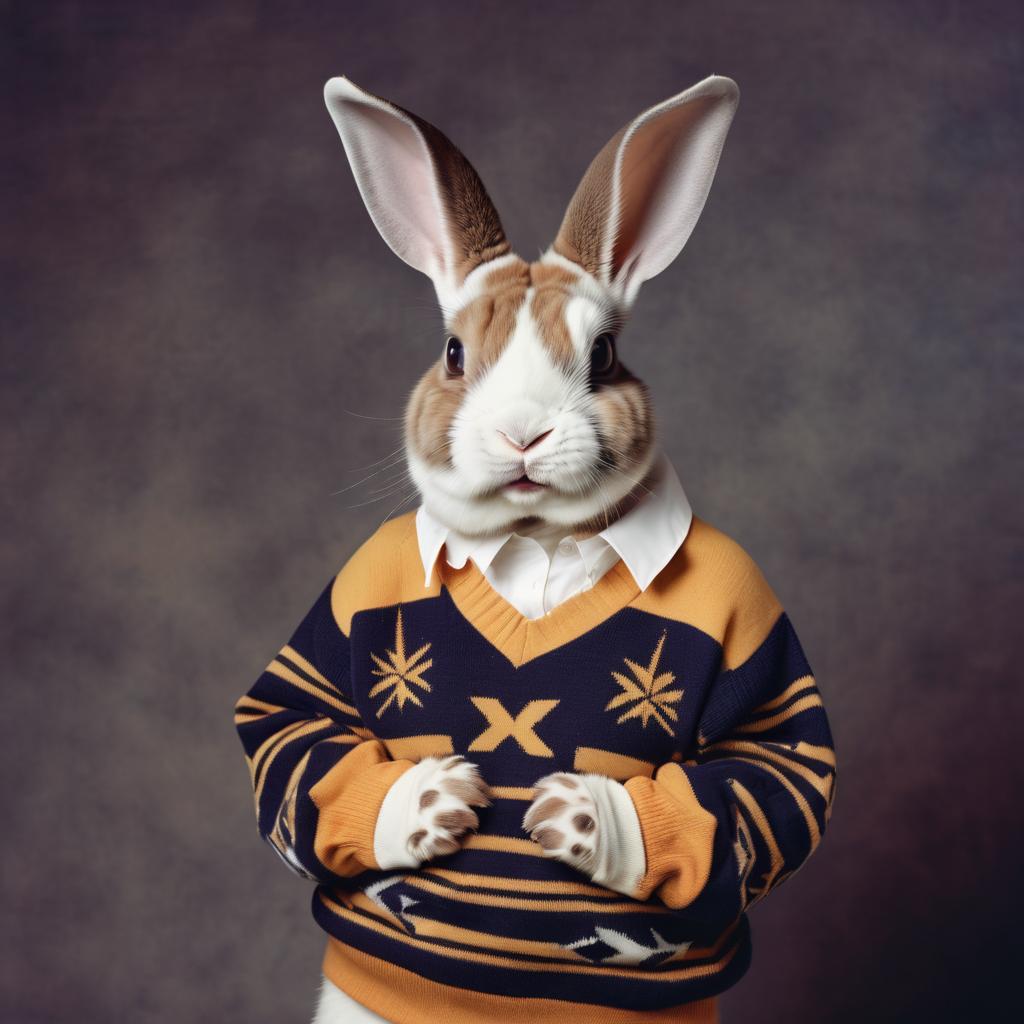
pixel 749 802
pixel 318 775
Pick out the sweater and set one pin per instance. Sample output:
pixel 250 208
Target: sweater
pixel 535 568
pixel 694 693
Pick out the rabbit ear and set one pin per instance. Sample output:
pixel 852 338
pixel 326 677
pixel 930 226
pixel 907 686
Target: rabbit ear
pixel 423 195
pixel 642 195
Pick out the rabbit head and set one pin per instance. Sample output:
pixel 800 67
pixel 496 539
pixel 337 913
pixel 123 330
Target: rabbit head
pixel 527 413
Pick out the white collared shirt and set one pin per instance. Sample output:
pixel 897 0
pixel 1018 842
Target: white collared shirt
pixel 536 570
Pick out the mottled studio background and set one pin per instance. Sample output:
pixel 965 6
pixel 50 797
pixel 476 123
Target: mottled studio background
pixel 204 339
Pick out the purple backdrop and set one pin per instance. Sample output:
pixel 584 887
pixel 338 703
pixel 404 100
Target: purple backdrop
pixel 205 339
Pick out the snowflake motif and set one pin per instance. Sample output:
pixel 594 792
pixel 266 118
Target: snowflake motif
pixel 647 692
pixel 399 670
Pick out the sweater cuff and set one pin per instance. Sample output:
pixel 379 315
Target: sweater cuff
pixel 349 799
pixel 678 835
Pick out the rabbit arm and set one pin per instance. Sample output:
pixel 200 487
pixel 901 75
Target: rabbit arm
pixel 751 802
pixel 318 776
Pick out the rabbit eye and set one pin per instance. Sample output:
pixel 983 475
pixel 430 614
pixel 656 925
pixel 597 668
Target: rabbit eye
pixel 454 357
pixel 602 356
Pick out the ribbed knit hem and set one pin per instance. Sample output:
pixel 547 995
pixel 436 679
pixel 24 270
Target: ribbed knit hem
pixel 404 997
pixel 521 639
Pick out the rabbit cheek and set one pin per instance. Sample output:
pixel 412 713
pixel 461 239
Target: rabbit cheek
pixel 428 418
pixel 624 411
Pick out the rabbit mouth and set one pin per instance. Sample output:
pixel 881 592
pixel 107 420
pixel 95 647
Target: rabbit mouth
pixel 524 483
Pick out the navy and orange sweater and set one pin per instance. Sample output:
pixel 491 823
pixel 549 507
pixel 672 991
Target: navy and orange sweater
pixel 694 693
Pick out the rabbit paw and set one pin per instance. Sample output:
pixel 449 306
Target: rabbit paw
pixel 563 818
pixel 428 810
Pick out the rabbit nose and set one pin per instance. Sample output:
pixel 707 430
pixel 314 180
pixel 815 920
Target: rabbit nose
pixel 520 445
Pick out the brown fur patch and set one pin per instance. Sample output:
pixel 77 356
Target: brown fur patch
pixel 427 797
pixel 548 311
pixel 545 809
pixel 417 837
pixel 443 845
pixel 624 406
pixel 584 823
pixel 428 415
pixel 476 232
pixel 456 821
pixel 467 792
pixel 549 838
pixel 582 234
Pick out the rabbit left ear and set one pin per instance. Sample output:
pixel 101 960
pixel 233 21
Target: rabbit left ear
pixel 643 194
pixel 423 195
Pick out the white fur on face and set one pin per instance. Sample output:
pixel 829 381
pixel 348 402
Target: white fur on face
pixel 523 395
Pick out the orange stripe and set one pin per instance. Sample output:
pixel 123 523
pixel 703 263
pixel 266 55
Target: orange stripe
pixel 290 676
pixel 249 704
pixel 504 844
pixel 607 762
pixel 304 730
pixel 307 666
pixel 518 884
pixel 816 753
pixel 798 797
pixel 803 683
pixel 270 741
pixel 761 822
pixel 415 748
pixel 512 792
pixel 764 724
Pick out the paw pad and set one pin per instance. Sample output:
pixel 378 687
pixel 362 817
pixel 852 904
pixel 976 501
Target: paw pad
pixel 563 819
pixel 446 791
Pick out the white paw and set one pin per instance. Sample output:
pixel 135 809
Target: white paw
pixel 427 810
pixel 563 818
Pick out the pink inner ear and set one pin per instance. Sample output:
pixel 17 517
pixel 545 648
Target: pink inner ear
pixel 665 174
pixel 396 175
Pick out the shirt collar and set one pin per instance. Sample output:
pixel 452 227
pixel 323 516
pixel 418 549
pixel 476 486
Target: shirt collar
pixel 645 538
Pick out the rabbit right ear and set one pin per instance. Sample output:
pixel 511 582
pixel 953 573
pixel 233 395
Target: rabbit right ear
pixel 424 196
pixel 644 192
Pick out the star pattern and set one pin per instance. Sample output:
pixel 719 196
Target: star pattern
pixel 645 690
pixel 399 672
pixel 627 951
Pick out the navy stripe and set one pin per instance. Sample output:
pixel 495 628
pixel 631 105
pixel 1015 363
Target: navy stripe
pixel 510 865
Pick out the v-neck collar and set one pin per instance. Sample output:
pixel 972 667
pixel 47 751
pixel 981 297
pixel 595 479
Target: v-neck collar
pixel 521 639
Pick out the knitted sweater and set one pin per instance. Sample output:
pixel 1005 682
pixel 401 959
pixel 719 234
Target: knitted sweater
pixel 694 693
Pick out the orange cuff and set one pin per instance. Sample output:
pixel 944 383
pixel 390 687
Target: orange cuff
pixel 348 798
pixel 678 835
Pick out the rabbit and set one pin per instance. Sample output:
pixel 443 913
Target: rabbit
pixel 528 415
pixel 570 802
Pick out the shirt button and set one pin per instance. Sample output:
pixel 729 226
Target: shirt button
pixel 566 547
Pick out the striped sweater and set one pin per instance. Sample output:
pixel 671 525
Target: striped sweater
pixel 694 693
